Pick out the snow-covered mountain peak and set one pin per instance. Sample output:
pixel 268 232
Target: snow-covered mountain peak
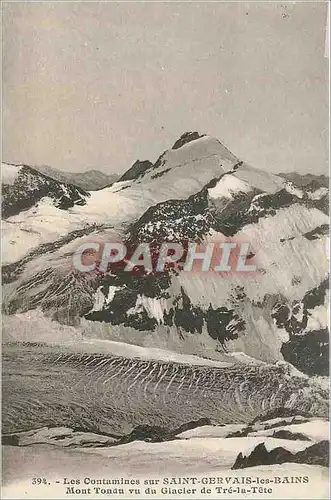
pixel 202 148
pixel 187 153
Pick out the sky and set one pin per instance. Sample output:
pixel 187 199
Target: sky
pixel 100 85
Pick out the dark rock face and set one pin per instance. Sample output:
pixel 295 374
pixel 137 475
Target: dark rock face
pixel 294 317
pixel 243 433
pixel 192 425
pixel 261 456
pixel 309 352
pixel 136 171
pixel 323 204
pixel 148 433
pixel 318 231
pixel 185 138
pixel 30 186
pixel 317 454
pixel 222 323
pixel 292 436
pixel 157 434
pixel 10 440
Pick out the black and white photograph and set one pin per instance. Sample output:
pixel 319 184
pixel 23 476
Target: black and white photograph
pixel 165 264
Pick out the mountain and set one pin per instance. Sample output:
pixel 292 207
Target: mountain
pixel 23 187
pixel 91 180
pixel 196 191
pixel 35 209
pixel 139 168
pixel 175 175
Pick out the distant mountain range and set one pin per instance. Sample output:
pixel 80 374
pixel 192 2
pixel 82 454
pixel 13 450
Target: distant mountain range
pixel 91 180
pixel 308 181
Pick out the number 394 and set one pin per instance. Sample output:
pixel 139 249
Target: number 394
pixel 39 480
